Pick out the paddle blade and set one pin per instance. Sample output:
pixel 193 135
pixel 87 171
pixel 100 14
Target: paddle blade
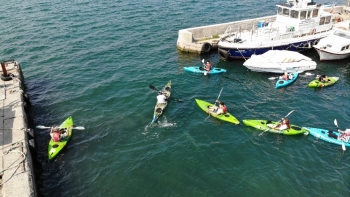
pixel 79 128
pixel 336 122
pixel 343 146
pixel 205 72
pixel 272 78
pixel 203 61
pixel 152 87
pixel 42 127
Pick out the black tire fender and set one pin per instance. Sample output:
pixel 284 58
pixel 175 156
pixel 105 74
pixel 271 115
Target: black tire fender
pixel 224 55
pixel 8 78
pixel 206 47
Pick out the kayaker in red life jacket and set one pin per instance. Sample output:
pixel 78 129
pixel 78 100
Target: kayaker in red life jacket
pixel 283 125
pixel 55 134
pixel 222 109
pixel 345 135
pixel 285 76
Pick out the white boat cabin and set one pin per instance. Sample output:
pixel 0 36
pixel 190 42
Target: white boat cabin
pixel 301 17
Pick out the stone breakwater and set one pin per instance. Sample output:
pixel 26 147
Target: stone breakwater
pixel 16 164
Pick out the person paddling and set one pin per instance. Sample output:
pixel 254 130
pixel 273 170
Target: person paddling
pixel 55 134
pixel 222 109
pixel 345 135
pixel 285 124
pixel 161 98
pixel 322 78
pixel 286 76
pixel 207 66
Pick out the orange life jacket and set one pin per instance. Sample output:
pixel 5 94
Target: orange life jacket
pixel 224 109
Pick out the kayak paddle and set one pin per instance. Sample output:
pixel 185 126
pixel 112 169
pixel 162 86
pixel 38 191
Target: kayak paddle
pixel 277 122
pixel 154 88
pixel 342 143
pixel 43 127
pixel 214 103
pixel 205 72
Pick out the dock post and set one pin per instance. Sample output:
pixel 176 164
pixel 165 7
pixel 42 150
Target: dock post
pixel 3 67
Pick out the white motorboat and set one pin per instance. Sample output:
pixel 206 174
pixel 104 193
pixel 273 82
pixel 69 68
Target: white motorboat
pixel 299 25
pixel 336 45
pixel 280 61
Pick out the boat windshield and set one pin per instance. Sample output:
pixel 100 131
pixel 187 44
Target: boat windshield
pixel 341 34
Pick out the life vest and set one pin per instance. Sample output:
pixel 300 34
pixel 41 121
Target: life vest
pixel 56 136
pixel 224 109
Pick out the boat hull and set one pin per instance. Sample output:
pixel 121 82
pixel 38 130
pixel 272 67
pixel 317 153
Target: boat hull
pixel 328 55
pixel 245 52
pixel 280 61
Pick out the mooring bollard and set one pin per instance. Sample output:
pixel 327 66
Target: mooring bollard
pixel 4 71
pixel 5 76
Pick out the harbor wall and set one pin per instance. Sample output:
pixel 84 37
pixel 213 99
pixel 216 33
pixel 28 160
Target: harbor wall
pixel 204 39
pixel 16 163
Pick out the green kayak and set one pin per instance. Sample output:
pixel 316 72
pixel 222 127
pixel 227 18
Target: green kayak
pixel 317 84
pixel 67 130
pixel 225 117
pixel 262 125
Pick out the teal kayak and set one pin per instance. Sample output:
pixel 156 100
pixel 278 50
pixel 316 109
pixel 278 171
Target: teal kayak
pixel 159 108
pixel 317 84
pixel 262 125
pixel 225 117
pixel 55 148
pixel 327 135
pixel 283 83
pixel 198 69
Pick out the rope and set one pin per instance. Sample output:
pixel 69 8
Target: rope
pixel 241 54
pixel 10 150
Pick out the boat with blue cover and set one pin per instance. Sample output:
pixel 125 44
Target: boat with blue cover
pixel 291 78
pixel 200 69
pixel 299 24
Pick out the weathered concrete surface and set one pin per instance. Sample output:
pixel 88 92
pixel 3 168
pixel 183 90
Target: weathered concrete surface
pixel 16 165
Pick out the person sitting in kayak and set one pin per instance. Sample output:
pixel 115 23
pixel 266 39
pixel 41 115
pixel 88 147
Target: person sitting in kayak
pixel 222 109
pixel 161 98
pixel 286 76
pixel 55 134
pixel 345 135
pixel 322 78
pixel 208 66
pixel 281 126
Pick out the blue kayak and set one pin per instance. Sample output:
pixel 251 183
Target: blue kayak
pixel 283 83
pixel 326 135
pixel 198 69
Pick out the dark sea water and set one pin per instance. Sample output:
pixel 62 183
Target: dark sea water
pixel 95 60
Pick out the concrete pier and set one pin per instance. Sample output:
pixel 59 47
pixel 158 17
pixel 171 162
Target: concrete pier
pixel 16 164
pixel 204 39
